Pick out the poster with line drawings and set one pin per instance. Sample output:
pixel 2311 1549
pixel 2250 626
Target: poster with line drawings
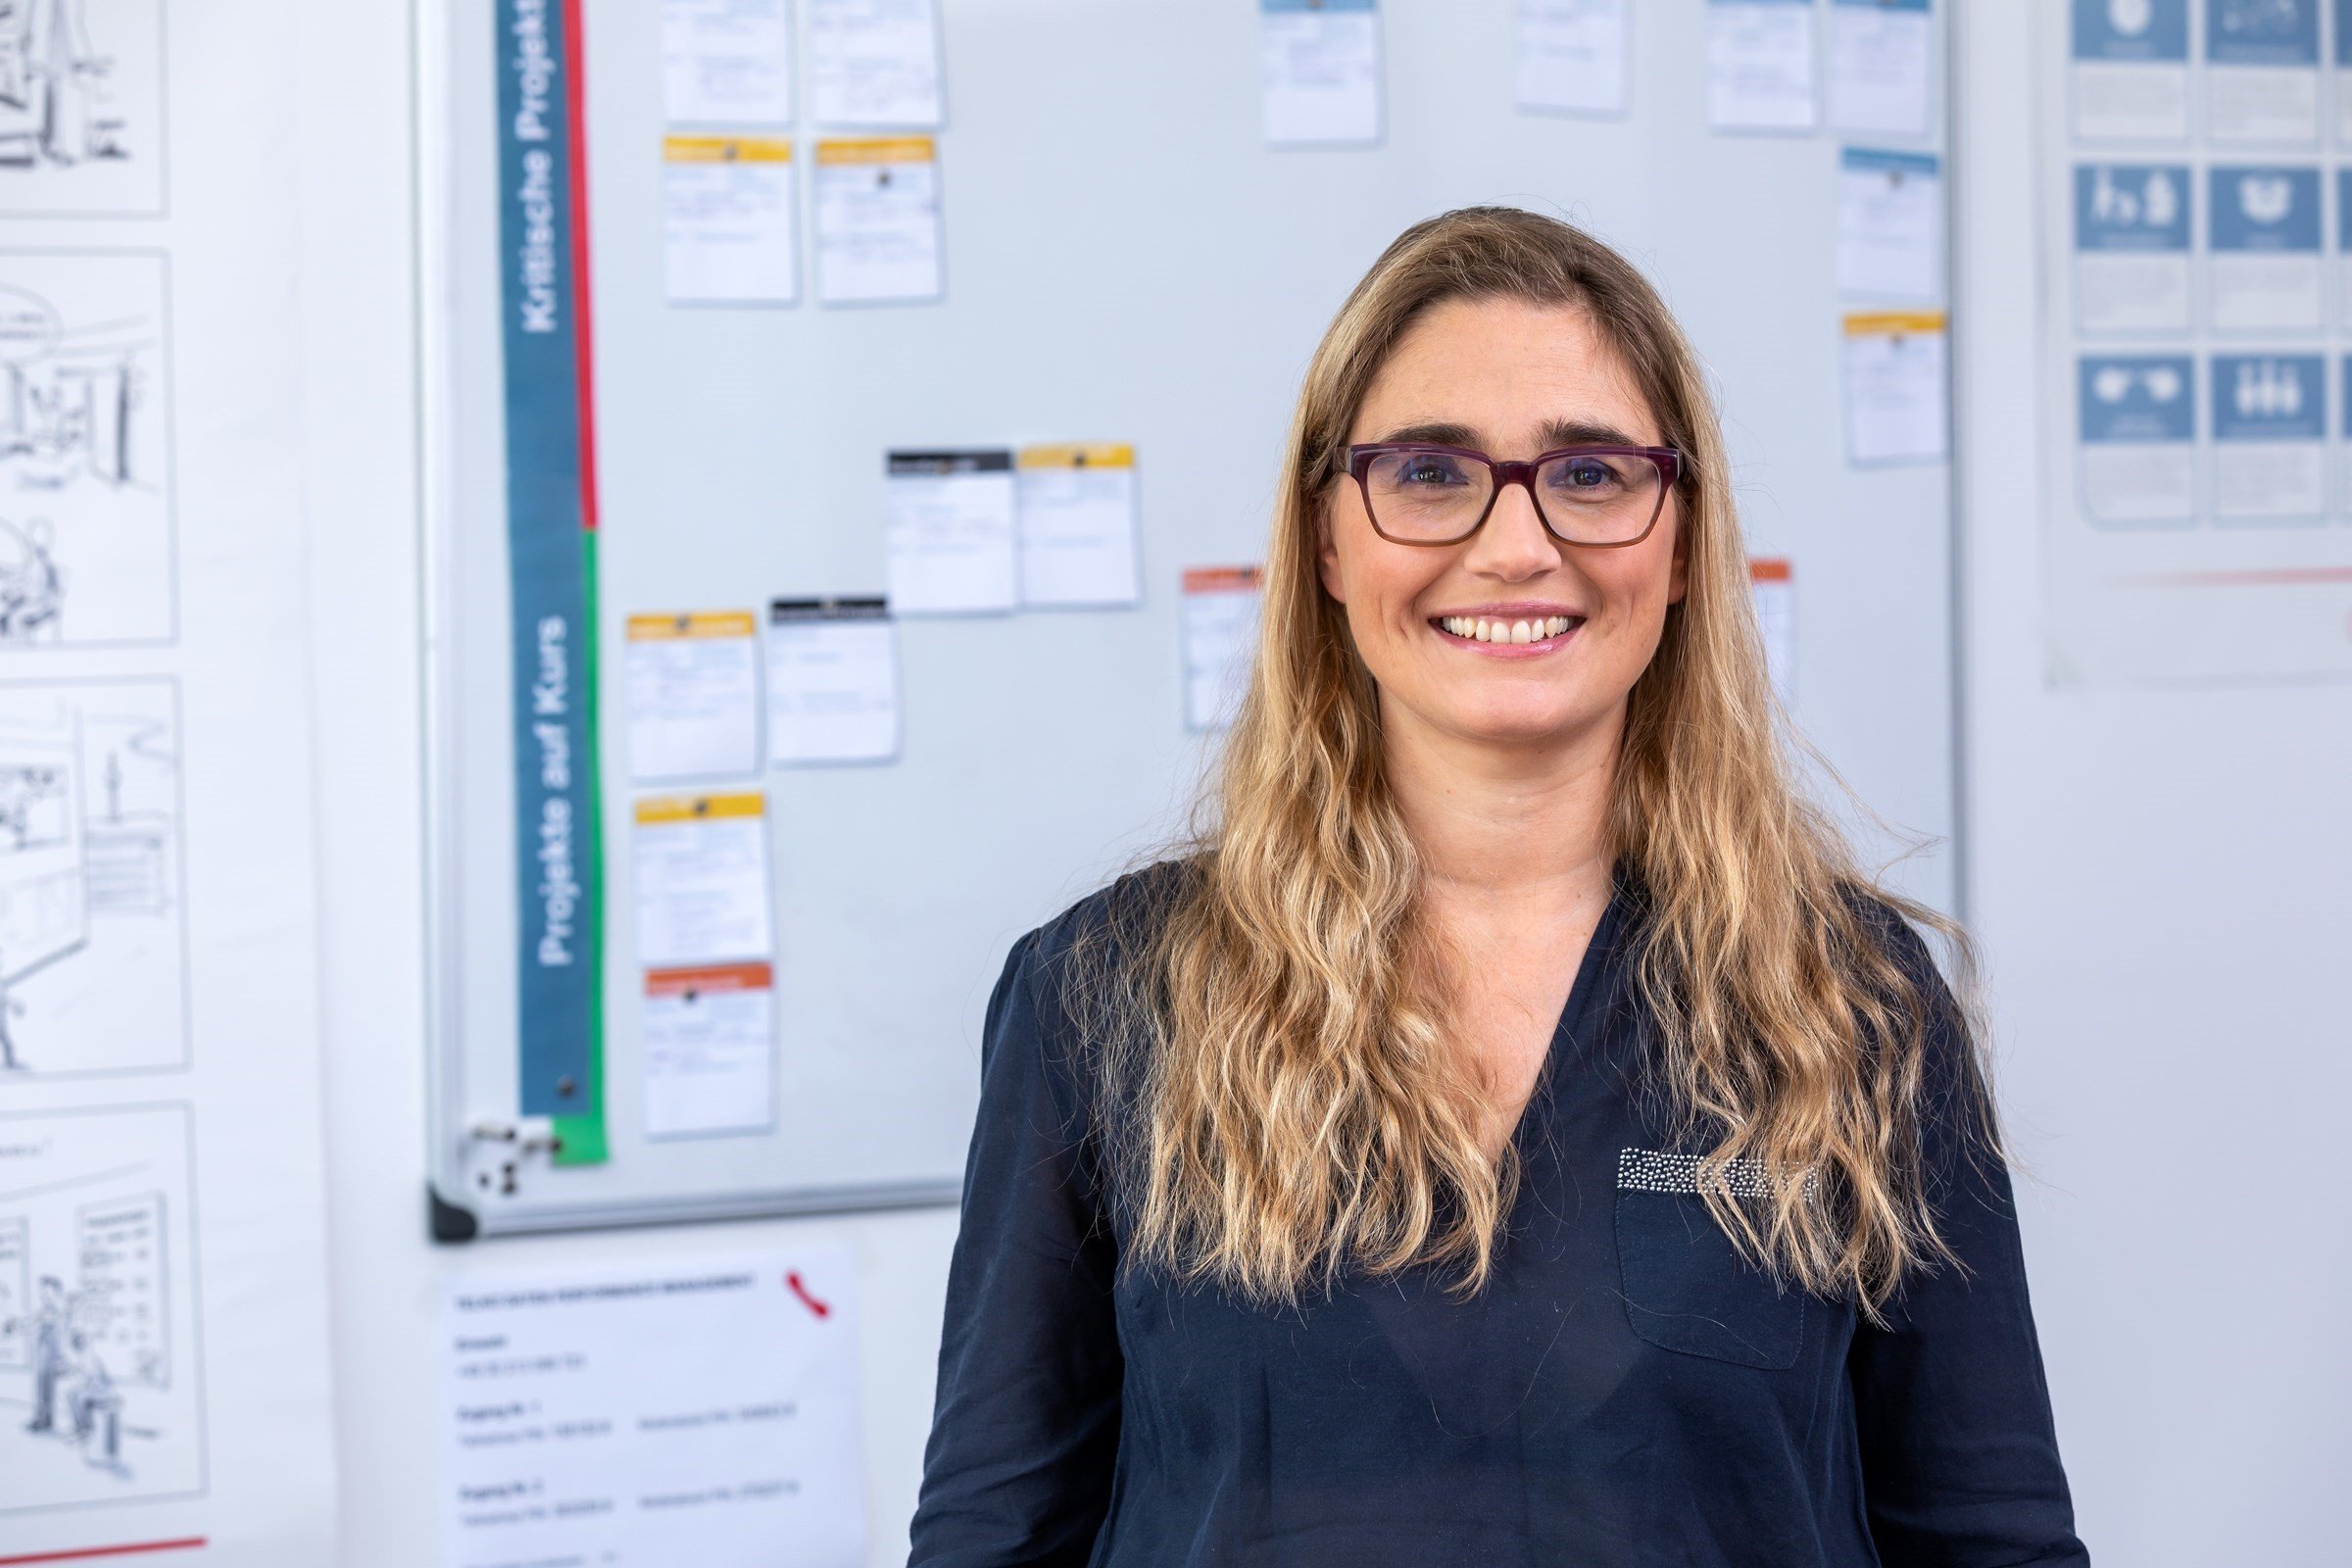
pixel 100 1396
pixel 85 458
pixel 93 931
pixel 81 107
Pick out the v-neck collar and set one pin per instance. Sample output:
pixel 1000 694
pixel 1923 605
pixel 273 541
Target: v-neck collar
pixel 1574 1032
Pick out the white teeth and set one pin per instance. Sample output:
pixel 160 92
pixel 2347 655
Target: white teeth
pixel 1522 632
pixel 1483 630
pixel 1555 625
pixel 1477 628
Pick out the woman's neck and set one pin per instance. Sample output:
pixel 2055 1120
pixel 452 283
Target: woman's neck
pixel 1507 826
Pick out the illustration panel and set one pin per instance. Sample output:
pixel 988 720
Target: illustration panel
pixel 86 461
pixel 93 929
pixel 100 1399
pixel 81 107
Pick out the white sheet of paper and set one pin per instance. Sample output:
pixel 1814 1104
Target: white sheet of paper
pixel 1574 56
pixel 1773 582
pixel 693 693
pixel 1761 74
pixel 1077 526
pixel 950 542
pixel 1319 71
pixel 726 61
pixel 707 1050
pixel 2136 428
pixel 877 220
pixel 1881 65
pixel 1897 399
pixel 727 221
pixel 874 62
pixel 695 1409
pixel 1889 223
pixel 700 879
pixel 832 681
pixel 1221 606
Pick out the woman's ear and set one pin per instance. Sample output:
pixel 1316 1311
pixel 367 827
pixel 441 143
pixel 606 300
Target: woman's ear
pixel 1677 581
pixel 1327 555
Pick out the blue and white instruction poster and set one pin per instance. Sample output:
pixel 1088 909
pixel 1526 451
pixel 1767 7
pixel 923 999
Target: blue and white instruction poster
pixel 2197 489
pixel 2130 69
pixel 2132 245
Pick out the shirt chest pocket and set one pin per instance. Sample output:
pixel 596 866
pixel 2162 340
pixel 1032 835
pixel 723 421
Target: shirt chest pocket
pixel 1687 1287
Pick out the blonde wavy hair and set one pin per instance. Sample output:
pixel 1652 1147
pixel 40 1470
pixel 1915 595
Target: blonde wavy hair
pixel 1293 1103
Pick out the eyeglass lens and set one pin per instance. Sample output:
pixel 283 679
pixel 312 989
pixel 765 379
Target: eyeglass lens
pixel 1437 497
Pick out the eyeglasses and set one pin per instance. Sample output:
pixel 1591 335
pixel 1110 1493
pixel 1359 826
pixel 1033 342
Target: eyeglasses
pixel 1602 497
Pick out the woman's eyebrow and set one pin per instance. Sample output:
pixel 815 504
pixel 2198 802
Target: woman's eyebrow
pixel 1438 435
pixel 1585 434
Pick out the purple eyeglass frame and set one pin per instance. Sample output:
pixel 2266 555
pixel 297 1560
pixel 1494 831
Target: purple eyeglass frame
pixel 1666 460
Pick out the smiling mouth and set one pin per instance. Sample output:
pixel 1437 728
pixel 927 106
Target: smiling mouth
pixel 1525 631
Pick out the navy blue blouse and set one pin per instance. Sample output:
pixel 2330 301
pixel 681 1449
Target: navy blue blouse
pixel 1628 1390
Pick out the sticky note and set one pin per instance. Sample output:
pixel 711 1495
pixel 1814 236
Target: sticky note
pixel 692 683
pixel 1077 526
pixel 727 221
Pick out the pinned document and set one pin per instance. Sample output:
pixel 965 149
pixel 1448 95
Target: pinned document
pixel 1897 406
pixel 2136 420
pixel 2130 70
pixel 1077 526
pixel 2262 70
pixel 2131 242
pixel 1881 56
pixel 1319 71
pixel 832 681
pixel 646 1413
pixel 691 691
pixel 727 221
pixel 2263 223
pixel 875 62
pixel 1221 605
pixel 950 545
pixel 1772 580
pixel 877 220
pixel 2270 429
pixel 1889 223
pixel 1760 65
pixel 1574 56
pixel 726 61
pixel 701 872
pixel 707 1050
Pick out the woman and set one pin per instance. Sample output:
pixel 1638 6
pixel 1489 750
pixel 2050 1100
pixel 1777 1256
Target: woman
pixel 1514 1133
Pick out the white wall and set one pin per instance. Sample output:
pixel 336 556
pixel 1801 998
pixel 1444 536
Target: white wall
pixel 2163 880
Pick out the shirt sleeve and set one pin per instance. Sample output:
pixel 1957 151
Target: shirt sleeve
pixel 1959 1457
pixel 1026 1425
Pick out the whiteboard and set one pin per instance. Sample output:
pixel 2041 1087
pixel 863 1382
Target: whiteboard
pixel 1125 261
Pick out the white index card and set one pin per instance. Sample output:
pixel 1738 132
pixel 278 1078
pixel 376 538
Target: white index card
pixel 1881 59
pixel 875 62
pixel 1077 526
pixel 832 681
pixel 1761 74
pixel 1773 583
pixel 1889 223
pixel 727 221
pixel 726 61
pixel 1572 55
pixel 697 1408
pixel 1221 606
pixel 707 1050
pixel 692 696
pixel 1319 71
pixel 1897 399
pixel 877 220
pixel 950 545
pixel 699 864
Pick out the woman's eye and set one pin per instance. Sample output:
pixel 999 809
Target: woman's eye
pixel 1429 471
pixel 1586 476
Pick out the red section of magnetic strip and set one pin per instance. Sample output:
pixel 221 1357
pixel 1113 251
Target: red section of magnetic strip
pixel 576 110
pixel 92 1554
